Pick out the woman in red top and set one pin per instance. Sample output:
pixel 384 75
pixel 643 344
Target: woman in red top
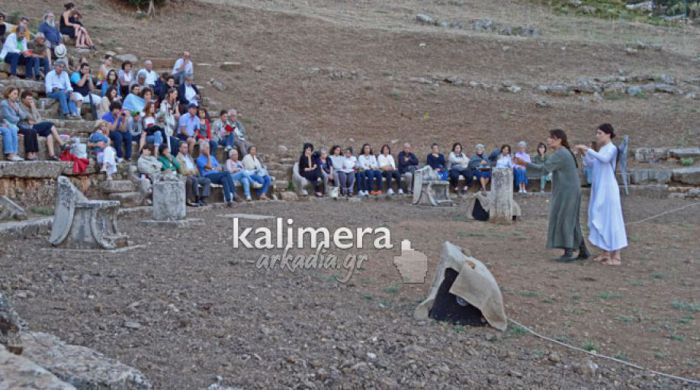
pixel 204 131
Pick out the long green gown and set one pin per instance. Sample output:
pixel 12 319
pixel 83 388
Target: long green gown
pixel 564 213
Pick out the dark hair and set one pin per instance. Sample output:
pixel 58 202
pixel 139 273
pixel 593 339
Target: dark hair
pixel 607 128
pixel 9 90
pixel 68 6
pixel 134 86
pixel 385 146
pixel 349 149
pixel 116 77
pixel 454 146
pixel 434 145
pixel 251 148
pixel 149 147
pixel 223 112
pixel 306 146
pixel 541 145
pixel 84 64
pixel 170 91
pixel 26 93
pixel 115 106
pixel 561 135
pixel 333 149
pixel 362 151
pixel 162 148
pixel 108 93
pixel 143 91
pixel 107 56
pixel 125 63
pixel 506 146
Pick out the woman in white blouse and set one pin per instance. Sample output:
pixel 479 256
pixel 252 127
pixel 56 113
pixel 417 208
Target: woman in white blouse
pixel 388 167
pixel 258 173
pixel 370 175
pixel 458 164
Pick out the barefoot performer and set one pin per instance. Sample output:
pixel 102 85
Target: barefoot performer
pixel 605 222
pixel 564 225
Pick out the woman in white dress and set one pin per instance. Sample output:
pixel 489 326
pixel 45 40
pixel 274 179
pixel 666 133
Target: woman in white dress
pixel 605 221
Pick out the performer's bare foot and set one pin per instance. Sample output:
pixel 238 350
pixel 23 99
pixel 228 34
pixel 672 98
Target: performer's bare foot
pixel 602 257
pixel 615 260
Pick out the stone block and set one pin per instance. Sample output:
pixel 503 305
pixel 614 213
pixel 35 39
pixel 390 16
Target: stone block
pixel 230 66
pixel 429 189
pixel 169 200
pixel 11 210
pixel 685 153
pixel 10 327
pixel 34 169
pixel 690 175
pixel 646 176
pixel 79 366
pixel 23 85
pixel 501 197
pixel 651 154
pixel 17 372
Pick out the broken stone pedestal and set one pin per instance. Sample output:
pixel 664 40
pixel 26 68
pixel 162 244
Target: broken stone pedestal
pixel 10 327
pixel 501 196
pixel 429 189
pixel 80 223
pixel 11 210
pixel 473 285
pixel 169 202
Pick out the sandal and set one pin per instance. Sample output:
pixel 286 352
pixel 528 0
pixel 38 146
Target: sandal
pixel 612 262
pixel 601 258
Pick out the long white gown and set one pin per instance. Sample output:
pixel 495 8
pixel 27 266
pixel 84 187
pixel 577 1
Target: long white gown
pixel 605 221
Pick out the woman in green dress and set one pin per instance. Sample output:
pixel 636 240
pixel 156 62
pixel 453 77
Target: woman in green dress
pixel 564 225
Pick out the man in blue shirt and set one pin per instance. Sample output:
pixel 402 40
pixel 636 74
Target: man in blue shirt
pixel 119 130
pixel 210 168
pixel 58 88
pixel 188 125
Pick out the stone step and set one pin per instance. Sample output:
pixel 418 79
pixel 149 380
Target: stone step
pixel 647 176
pixel 689 175
pixel 685 153
pixel 116 186
pixel 31 85
pixel 127 199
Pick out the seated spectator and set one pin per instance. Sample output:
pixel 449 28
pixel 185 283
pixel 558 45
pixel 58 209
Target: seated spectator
pixel 183 68
pixel 164 83
pixel 71 25
pixel 140 80
pixel 126 78
pixel 169 162
pixel 210 168
pixel 480 167
pixel 41 128
pixel 168 116
pixel 3 27
pixel 188 125
pixel 48 28
pixel 57 84
pixel 105 155
pixel 188 92
pixel 15 51
pixel 81 81
pixel 369 172
pixel 436 160
pixel 119 133
pixel 10 130
pixel 336 156
pixel 327 169
pixel 110 86
pixel 539 159
pixel 23 22
pixel 387 166
pixel 105 67
pixel 133 102
pixel 222 132
pixel 204 132
pixel 150 132
pixel 258 173
pixel 520 171
pixel 198 187
pixel 151 75
pixel 309 169
pixel 408 163
pixel 240 141
pixel 346 172
pixel 147 95
pixel 238 173
pixel 41 55
pixel 148 164
pixel 505 160
pixel 459 165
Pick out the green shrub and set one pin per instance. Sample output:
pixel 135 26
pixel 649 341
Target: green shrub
pixel 688 161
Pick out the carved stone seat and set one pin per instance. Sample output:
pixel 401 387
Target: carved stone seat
pixel 429 189
pixel 80 223
pixel 300 182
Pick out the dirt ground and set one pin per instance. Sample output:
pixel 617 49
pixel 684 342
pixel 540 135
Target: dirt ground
pixel 202 309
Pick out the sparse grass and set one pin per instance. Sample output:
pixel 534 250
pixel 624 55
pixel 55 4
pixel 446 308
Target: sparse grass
pixel 685 320
pixel 677 337
pixel 548 300
pixel 607 295
pixel 393 289
pixel 621 356
pixel 634 238
pixel 589 346
pixel 636 283
pixel 614 96
pixel 657 276
pixel 367 297
pixel 458 329
pixel 41 210
pixel 605 9
pixel 686 306
pixel 686 162
pixel 516 330
pixel 395 94
pixel 529 294
pixel 625 319
pixel 470 234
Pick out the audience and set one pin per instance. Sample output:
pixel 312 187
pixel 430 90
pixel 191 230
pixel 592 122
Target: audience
pixel 15 51
pixel 41 56
pixel 387 166
pixel 346 172
pixel 111 80
pixel 505 160
pixel 458 163
pixel 258 173
pixel 222 132
pixel 169 163
pixel 183 68
pixel 105 155
pixel 111 96
pixel 520 171
pixel 150 133
pixel 239 132
pixel 105 67
pixel 42 128
pixel 204 131
pixel 188 126
pixel 81 81
pixel 539 159
pixel 337 159
pixel 11 118
pixel 197 187
pixel 119 133
pixel 3 27
pixel 48 28
pixel 169 116
pixel 151 75
pixel 163 84
pixel 210 168
pixel 126 78
pixel 188 92
pixel 148 164
pixel 309 169
pixel 238 173
pixel 58 87
pixel 436 160
pixel 481 168
pixel 408 163
pixel 369 174
pixel 327 169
